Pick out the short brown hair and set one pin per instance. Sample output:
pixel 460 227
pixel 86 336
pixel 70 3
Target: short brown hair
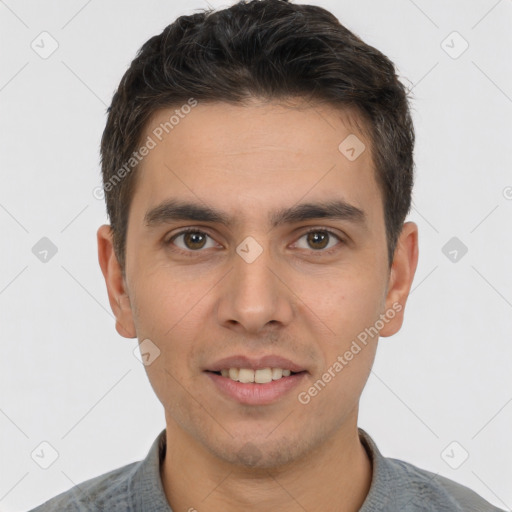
pixel 269 49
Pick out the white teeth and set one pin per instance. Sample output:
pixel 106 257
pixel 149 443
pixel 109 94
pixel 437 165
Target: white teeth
pixel 277 373
pixel 245 375
pixel 262 376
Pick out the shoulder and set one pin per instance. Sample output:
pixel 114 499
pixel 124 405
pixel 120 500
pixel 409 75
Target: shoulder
pixel 400 485
pixel 429 491
pixel 110 491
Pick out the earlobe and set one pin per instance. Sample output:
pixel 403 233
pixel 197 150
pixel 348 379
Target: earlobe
pixel 402 272
pixel 116 287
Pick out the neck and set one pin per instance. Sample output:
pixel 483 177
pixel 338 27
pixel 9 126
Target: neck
pixel 333 477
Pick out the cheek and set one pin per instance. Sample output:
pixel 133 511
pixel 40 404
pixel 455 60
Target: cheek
pixel 166 315
pixel 349 307
pixel 162 299
pixel 169 312
pixel 346 301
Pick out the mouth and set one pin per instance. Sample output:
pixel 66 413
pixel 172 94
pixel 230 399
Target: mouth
pixel 258 376
pixel 261 381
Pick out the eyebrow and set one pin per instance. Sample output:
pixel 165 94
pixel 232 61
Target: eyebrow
pixel 173 210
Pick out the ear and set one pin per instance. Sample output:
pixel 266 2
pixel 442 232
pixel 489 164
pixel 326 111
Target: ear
pixel 116 286
pixel 401 276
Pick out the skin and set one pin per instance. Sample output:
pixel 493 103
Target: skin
pixel 294 300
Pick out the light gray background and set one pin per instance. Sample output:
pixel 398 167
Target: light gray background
pixel 68 379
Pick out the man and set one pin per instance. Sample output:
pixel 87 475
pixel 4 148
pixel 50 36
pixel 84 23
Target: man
pixel 257 165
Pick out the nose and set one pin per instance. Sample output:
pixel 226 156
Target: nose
pixel 255 295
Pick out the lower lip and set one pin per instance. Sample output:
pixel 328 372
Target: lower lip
pixel 256 394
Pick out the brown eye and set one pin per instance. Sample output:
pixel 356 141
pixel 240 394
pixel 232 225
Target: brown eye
pixel 194 240
pixel 318 239
pixel 191 240
pixel 321 240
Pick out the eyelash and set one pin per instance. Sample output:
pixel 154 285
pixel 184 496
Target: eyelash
pixel 320 252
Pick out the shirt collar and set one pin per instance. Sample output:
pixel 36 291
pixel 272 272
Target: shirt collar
pixel 146 483
pixel 382 473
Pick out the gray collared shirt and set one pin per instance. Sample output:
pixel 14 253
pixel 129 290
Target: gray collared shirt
pixel 397 486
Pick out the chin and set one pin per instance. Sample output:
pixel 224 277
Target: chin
pixel 261 453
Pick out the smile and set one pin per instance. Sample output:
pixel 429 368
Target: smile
pixel 255 387
pixel 262 376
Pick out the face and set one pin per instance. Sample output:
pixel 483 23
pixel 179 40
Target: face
pixel 284 265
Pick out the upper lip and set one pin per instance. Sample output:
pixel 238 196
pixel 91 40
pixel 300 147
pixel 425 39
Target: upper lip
pixel 256 363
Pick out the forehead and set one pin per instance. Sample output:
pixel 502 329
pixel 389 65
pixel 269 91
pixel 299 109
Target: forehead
pixel 262 152
pixel 220 130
